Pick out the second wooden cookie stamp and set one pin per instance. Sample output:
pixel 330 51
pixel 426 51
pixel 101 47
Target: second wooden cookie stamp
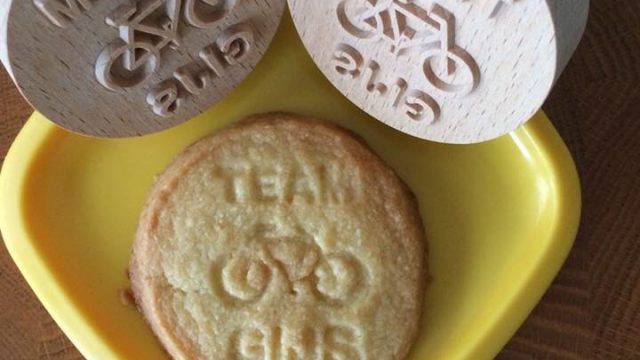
pixel 131 67
pixel 454 71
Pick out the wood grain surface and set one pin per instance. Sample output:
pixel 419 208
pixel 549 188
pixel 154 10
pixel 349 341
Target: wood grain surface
pixel 592 310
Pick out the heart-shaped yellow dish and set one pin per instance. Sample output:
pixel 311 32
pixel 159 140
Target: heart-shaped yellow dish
pixel 500 217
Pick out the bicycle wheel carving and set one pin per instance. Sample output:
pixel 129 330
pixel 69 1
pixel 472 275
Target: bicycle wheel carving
pixel 443 69
pixel 117 70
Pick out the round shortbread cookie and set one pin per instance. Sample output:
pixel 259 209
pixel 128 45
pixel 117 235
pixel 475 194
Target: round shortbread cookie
pixel 280 238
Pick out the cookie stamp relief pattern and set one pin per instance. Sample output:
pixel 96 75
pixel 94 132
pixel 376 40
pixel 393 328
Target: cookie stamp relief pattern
pixel 297 265
pixel 309 343
pixel 250 183
pixel 456 71
pixel 147 28
pixel 407 27
pixel 301 263
pixel 128 67
pixel 284 260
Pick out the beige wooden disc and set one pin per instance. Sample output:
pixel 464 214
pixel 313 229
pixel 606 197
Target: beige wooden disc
pixel 118 68
pixel 454 71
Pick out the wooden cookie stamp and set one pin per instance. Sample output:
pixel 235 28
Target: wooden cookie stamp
pixel 131 67
pixel 453 71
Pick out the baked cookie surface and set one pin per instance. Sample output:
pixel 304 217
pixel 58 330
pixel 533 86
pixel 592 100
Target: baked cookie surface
pixel 280 237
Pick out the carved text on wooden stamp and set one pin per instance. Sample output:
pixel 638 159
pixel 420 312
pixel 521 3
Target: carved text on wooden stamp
pixel 408 30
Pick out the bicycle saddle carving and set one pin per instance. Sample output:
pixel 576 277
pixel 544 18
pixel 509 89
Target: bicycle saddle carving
pixel 453 71
pixel 131 67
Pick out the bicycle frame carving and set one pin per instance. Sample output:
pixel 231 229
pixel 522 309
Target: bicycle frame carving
pixel 146 28
pixel 409 28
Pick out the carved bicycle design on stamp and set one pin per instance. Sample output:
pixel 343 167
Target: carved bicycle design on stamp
pixel 406 27
pixel 146 27
pixel 293 265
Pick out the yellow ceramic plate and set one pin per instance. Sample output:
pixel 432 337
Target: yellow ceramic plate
pixel 500 216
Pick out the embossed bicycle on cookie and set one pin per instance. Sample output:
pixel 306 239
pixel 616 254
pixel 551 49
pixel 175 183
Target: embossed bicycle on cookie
pixel 146 27
pixel 408 27
pixel 292 265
